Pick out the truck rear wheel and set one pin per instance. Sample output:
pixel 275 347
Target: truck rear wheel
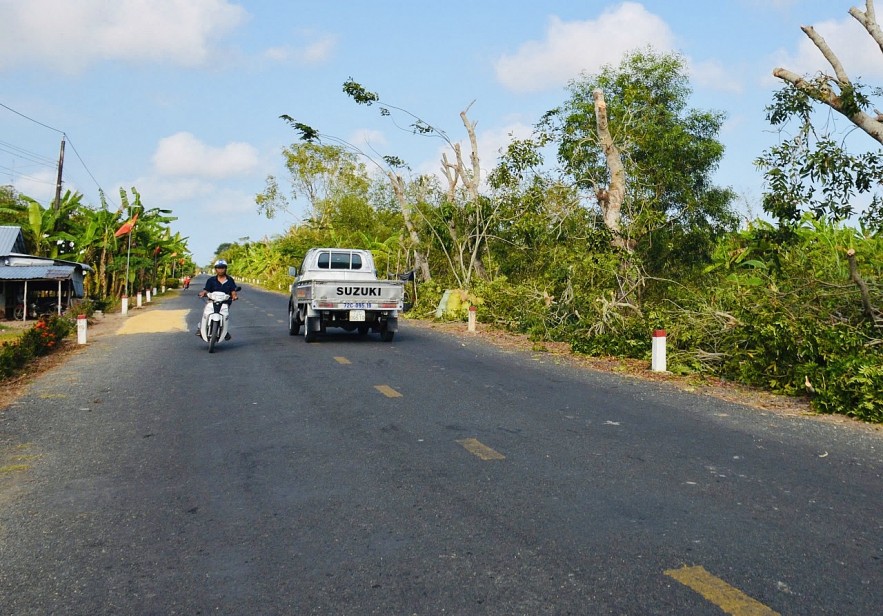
pixel 385 334
pixel 293 321
pixel 309 332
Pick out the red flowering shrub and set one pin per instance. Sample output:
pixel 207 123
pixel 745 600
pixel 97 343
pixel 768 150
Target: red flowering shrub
pixel 44 337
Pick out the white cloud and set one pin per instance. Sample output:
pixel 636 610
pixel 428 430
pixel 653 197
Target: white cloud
pixel 176 190
pixel 766 4
pixel 69 36
pixel 230 201
pixel 857 51
pixel 319 49
pixel 712 74
pixel 573 47
pixel 366 139
pixel 182 154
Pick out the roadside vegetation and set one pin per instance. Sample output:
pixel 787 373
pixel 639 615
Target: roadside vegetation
pixel 44 337
pixel 149 252
pixel 606 224
pixel 72 230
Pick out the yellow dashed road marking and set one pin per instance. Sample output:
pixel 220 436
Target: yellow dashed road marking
pixel 14 468
pixel 481 450
pixel 342 360
pixel 730 600
pixel 388 391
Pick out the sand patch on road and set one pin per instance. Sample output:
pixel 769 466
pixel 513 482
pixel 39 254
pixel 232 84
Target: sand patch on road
pixel 155 321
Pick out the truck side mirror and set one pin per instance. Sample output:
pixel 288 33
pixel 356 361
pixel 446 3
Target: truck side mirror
pixel 292 271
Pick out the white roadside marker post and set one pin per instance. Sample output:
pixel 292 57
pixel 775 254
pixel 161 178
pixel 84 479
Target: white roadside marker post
pixel 81 329
pixel 125 305
pixel 657 361
pixel 138 300
pixel 472 311
pixel 148 296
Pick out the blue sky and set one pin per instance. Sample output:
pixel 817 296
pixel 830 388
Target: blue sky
pixel 182 98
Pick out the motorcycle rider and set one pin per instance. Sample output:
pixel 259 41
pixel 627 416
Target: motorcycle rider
pixel 224 283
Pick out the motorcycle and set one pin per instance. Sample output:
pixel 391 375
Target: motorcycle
pixel 41 307
pixel 213 326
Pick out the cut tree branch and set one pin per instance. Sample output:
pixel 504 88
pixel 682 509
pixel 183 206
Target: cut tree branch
pixel 854 275
pixel 825 94
pixel 868 19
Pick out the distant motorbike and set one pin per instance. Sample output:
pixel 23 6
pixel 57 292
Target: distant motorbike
pixel 213 326
pixel 38 308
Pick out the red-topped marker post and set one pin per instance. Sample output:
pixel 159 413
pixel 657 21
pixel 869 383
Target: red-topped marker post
pixel 657 361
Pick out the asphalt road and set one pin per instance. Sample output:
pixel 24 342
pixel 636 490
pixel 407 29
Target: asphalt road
pixel 432 475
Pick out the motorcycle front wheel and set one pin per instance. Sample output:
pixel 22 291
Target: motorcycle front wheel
pixel 213 335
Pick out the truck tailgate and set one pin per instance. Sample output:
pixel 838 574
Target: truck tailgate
pixel 370 295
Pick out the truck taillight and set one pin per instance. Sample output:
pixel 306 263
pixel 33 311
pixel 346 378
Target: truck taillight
pixel 393 306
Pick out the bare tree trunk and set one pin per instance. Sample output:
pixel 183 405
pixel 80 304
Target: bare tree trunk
pixel 472 185
pixel 629 278
pixel 420 260
pixel 610 199
pixel 470 249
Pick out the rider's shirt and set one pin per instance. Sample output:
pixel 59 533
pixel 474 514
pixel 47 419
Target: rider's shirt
pixel 228 287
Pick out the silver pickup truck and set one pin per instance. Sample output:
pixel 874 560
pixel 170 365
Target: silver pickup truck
pixel 338 287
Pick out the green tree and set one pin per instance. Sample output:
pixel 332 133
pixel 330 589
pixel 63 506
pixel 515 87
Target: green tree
pixel 13 207
pixel 671 209
pixel 319 173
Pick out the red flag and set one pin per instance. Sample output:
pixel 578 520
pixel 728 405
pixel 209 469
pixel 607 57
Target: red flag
pixel 156 251
pixel 127 227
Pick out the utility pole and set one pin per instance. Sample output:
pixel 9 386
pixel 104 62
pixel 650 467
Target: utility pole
pixel 58 182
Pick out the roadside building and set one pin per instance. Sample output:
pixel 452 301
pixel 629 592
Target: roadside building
pixel 42 284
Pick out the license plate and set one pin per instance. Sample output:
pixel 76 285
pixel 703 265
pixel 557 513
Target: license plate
pixel 357 315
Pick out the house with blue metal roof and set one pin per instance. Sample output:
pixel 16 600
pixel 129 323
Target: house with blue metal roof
pixel 48 285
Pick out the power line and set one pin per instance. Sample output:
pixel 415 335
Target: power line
pixel 31 119
pixel 83 163
pixel 34 157
pixel 13 173
pixel 65 136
